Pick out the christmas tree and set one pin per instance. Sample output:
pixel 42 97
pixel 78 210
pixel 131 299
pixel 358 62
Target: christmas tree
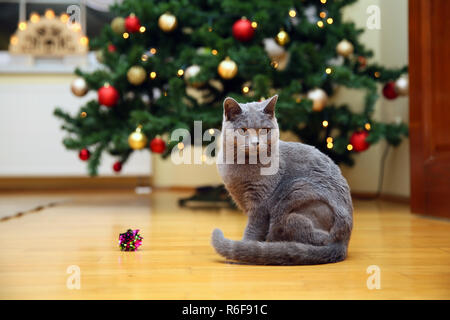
pixel 168 63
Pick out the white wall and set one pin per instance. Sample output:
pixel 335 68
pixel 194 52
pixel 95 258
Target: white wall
pixel 30 136
pixel 390 46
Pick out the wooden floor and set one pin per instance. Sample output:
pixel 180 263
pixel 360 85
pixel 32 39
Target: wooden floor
pixel 177 262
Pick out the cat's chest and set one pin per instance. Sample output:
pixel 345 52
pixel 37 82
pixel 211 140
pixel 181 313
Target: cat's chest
pixel 249 194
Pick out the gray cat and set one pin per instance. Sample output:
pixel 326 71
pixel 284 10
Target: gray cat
pixel 300 214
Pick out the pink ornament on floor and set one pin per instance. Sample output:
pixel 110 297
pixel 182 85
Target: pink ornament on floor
pixel 130 240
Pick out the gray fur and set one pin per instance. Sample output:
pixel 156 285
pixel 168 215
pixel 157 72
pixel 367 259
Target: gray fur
pixel 302 214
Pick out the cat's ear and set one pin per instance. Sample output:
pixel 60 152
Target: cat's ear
pixel 270 106
pixel 231 108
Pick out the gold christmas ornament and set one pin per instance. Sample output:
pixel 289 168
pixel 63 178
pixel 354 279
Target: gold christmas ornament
pixel 137 140
pixel 227 69
pixel 191 72
pixel 402 86
pixel 319 98
pixel 282 37
pixel 344 48
pixel 118 25
pixel 79 87
pixel 136 75
pixel 167 22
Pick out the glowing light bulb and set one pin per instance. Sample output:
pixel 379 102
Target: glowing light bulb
pixel 324 123
pixel 64 18
pixel 245 89
pixel 144 57
pixel 83 114
pixel 329 140
pixel 34 17
pixel 142 29
pixel 349 147
pixel 292 13
pixel 329 145
pixel 153 51
pixel 76 27
pixel 211 131
pixel 254 24
pixel 49 14
pixel 180 72
pixel 153 74
pixel 330 20
pixel 328 70
pixel 125 35
pixel 367 126
pixel 214 52
pixel 180 145
pixel 320 24
pixel 323 1
pixel 22 26
pixel 323 14
pixel 14 40
pixel 84 41
pixel 377 74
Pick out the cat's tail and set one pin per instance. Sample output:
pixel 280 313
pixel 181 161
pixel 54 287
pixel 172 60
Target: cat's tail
pixel 277 253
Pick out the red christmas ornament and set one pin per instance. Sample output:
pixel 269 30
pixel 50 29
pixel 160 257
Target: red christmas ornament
pixel 111 48
pixel 117 166
pixel 362 61
pixel 132 23
pixel 358 141
pixel 108 96
pixel 84 154
pixel 243 30
pixel 157 145
pixel 389 91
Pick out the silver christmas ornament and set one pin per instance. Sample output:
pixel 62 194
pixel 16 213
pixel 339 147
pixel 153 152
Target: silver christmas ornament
pixel 79 87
